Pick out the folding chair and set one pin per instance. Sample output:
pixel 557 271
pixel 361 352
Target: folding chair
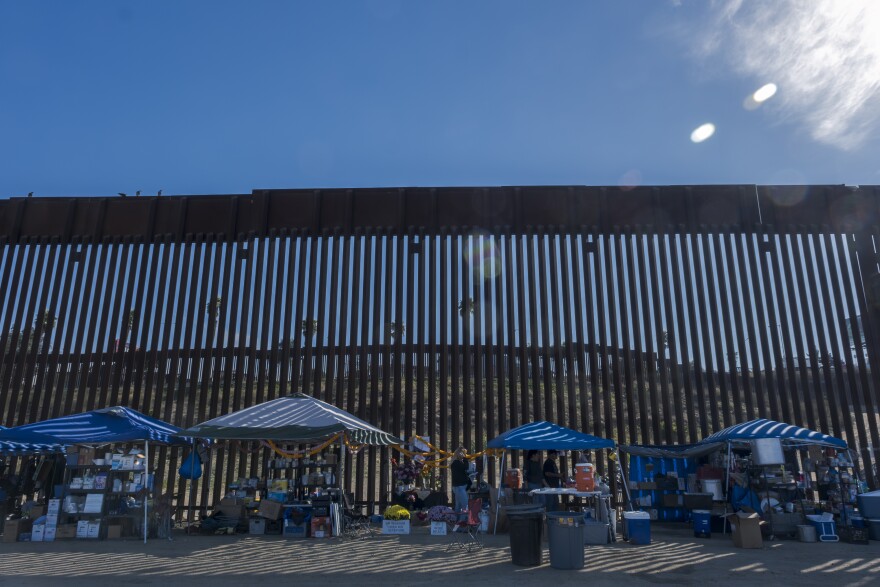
pixel 466 531
pixel 355 522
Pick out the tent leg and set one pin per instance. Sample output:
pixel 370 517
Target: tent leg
pixel 726 490
pixel 146 484
pixel 498 495
pixel 190 505
pixel 623 479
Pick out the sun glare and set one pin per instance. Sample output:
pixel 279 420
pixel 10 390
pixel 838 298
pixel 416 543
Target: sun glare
pixel 703 132
pixel 764 93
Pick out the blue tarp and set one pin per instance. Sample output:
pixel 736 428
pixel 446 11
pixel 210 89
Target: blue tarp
pixel 763 428
pixel 107 425
pixel 15 442
pixel 547 436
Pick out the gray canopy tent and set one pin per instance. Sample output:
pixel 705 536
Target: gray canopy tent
pixel 298 418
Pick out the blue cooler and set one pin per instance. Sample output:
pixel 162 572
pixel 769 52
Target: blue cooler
pixel 702 523
pixel 637 527
pixel 826 529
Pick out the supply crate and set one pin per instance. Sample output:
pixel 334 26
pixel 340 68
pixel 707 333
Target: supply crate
pixel 853 535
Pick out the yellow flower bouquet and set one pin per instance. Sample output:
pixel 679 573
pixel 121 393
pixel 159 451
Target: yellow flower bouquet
pixel 396 512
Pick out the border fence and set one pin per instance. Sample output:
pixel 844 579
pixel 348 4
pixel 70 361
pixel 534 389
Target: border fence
pixel 647 315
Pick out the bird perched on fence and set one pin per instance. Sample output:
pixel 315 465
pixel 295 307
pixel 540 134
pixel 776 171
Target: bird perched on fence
pixel 30 194
pixel 137 193
pixel 122 194
pixel 159 193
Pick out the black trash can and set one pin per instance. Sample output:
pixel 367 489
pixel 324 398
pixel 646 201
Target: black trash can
pixel 566 540
pixel 525 534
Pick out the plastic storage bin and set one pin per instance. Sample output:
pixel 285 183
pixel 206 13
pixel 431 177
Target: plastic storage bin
pixel 595 532
pixel 702 523
pixel 525 523
pixel 637 526
pixel 566 531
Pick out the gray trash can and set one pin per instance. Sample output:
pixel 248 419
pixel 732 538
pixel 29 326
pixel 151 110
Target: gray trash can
pixel 566 540
pixel 525 523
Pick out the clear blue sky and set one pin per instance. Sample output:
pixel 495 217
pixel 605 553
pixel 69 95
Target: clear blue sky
pixel 201 97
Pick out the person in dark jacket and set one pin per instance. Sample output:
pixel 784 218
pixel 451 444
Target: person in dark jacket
pixel 460 479
pixel 534 474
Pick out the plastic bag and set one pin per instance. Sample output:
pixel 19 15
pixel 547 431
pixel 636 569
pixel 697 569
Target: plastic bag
pixel 191 468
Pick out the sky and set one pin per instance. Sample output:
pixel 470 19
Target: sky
pixel 220 97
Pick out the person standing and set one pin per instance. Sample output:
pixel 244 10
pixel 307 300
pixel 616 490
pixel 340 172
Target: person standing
pixel 552 478
pixel 460 479
pixel 534 474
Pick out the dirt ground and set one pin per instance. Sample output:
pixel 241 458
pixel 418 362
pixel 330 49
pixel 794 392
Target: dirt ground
pixel 674 556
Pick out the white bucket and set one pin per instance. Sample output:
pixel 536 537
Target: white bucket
pixel 806 533
pixel 484 522
pixel 713 486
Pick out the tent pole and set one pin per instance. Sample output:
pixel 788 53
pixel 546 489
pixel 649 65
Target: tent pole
pixel 146 484
pixel 498 495
pixel 726 489
pixel 191 489
pixel 623 479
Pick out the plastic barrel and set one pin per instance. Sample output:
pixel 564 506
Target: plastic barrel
pixel 525 522
pixel 566 540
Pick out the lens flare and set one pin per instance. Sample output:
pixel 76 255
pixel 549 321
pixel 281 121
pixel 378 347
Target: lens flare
pixel 703 132
pixel 482 258
pixel 764 93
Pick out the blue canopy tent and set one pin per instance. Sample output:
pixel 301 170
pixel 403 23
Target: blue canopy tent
pixel 789 435
pixel 18 443
pixel 106 426
pixel 547 436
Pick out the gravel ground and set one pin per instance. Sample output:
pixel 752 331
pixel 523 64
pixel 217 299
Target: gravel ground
pixel 673 557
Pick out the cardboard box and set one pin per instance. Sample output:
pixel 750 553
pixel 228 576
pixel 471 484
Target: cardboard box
pixel 54 507
pixel 270 509
pixel 698 501
pixel 232 511
pixel 86 455
pixel 13 528
pixel 65 531
pixel 37 511
pixel 114 532
pixel 37 532
pixel 673 500
pixel 82 529
pixel 321 527
pixel 295 529
pixel 94 530
pixel 746 529
pixel 49 534
pixel 51 520
pixel 231 501
pixel 395 526
pixel 257 526
pixel 331 459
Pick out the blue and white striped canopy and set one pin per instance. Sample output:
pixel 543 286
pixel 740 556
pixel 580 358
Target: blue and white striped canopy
pixel 547 436
pixel 763 428
pixel 14 442
pixel 297 418
pixel 107 425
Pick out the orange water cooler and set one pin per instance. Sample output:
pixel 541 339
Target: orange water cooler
pixel 513 478
pixel 584 478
